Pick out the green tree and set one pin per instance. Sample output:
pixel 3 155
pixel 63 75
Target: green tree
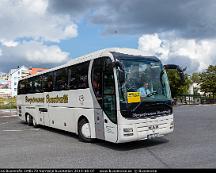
pixel 195 77
pixel 208 80
pixel 176 86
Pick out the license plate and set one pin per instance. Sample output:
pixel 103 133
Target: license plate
pixel 154 135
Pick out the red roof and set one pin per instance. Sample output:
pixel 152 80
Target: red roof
pixel 33 71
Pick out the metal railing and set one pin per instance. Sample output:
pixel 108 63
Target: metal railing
pixel 194 99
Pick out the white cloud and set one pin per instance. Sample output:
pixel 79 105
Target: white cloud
pixel 26 29
pixel 31 19
pixel 70 31
pixel 8 43
pixel 195 54
pixel 32 54
pixel 153 45
pixel 36 52
pixel 38 6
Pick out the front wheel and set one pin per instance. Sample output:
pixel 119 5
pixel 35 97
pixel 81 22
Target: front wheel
pixel 84 131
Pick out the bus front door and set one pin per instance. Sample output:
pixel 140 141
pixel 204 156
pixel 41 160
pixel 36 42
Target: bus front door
pixel 103 85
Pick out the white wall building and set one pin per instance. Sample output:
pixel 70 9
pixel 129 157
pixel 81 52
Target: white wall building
pixel 3 76
pixel 193 87
pixel 14 76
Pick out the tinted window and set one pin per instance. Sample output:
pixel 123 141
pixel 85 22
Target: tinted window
pixel 109 101
pixel 78 76
pixel 47 82
pixel 30 85
pixel 97 73
pixel 37 84
pixel 103 84
pixel 22 87
pixel 61 79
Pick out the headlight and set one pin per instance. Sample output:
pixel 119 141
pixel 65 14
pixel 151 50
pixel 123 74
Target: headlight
pixel 127 130
pixel 172 125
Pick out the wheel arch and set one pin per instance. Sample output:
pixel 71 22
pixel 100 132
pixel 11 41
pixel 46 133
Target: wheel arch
pixel 90 120
pixel 79 119
pixel 26 116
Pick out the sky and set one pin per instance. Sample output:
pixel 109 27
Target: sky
pixel 48 33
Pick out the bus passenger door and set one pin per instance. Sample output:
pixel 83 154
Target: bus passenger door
pixel 104 89
pixel 96 80
pixel 109 102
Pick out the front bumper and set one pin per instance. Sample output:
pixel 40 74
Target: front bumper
pixel 148 128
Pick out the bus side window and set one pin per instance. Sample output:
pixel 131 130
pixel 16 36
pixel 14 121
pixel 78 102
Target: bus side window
pixel 22 87
pixel 78 76
pixel 30 85
pixel 47 82
pixel 61 79
pixel 37 84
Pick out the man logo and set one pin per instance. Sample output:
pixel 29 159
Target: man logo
pixel 81 99
pixel 153 127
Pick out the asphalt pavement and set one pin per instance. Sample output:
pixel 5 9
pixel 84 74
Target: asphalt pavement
pixel 192 145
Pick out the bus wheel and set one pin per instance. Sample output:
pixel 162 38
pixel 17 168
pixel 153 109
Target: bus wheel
pixel 29 120
pixel 84 131
pixel 34 123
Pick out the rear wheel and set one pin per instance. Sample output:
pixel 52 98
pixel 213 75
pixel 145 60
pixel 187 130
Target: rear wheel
pixel 84 131
pixel 29 120
pixel 34 123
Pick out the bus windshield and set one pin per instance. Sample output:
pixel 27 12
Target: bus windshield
pixel 145 83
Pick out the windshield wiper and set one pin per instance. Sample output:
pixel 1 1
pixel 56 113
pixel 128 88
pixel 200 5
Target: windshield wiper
pixel 148 95
pixel 152 104
pixel 151 94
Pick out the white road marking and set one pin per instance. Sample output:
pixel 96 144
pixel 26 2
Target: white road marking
pixel 5 110
pixel 8 116
pixel 34 129
pixel 12 130
pixel 8 110
pixel 19 130
pixel 3 123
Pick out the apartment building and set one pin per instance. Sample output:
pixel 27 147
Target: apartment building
pixel 14 76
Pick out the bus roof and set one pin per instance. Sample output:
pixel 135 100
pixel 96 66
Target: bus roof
pixel 94 55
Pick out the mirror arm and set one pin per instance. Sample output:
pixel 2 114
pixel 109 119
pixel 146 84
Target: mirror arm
pixel 178 68
pixel 118 65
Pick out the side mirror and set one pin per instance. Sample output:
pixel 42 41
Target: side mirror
pixel 121 76
pixel 121 73
pixel 178 68
pixel 118 64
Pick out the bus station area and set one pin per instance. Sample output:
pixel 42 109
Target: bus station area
pixel 191 145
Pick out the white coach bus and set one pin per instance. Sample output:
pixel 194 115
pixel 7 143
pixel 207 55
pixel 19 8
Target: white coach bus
pixel 100 95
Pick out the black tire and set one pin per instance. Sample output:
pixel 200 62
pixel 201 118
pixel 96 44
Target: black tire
pixel 29 120
pixel 80 134
pixel 34 123
pixel 26 118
